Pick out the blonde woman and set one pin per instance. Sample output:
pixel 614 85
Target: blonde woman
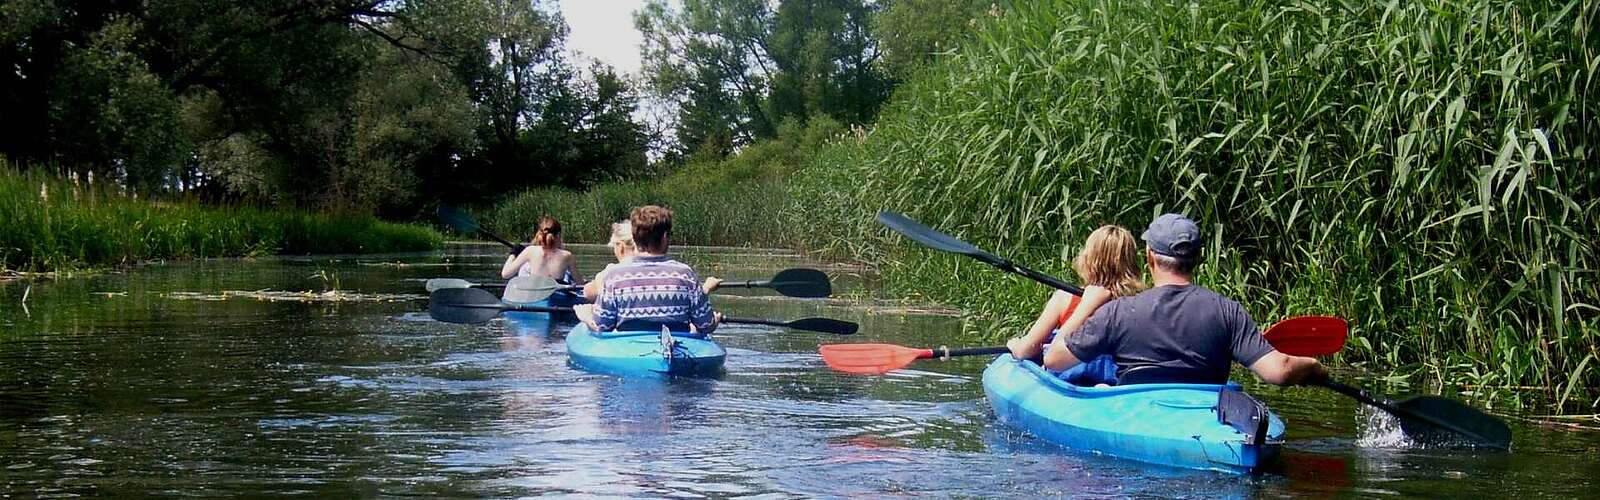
pixel 622 247
pixel 1109 267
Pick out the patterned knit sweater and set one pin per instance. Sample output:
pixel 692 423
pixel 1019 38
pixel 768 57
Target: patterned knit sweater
pixel 652 288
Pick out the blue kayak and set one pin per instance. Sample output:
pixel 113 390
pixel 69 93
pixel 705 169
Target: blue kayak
pixel 561 298
pixel 1169 424
pixel 643 353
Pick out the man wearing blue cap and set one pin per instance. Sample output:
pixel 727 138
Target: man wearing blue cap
pixel 1177 331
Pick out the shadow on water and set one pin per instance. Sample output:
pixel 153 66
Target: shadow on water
pixel 111 388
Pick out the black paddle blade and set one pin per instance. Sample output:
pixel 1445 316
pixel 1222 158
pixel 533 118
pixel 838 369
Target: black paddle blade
pixel 1434 420
pixel 463 305
pixel 932 238
pixel 801 282
pixel 456 219
pixel 824 325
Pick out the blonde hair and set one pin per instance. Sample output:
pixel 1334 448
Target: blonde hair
pixel 1110 259
pixel 622 234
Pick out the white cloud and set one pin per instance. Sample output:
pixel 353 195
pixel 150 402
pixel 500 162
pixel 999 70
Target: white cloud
pixel 603 30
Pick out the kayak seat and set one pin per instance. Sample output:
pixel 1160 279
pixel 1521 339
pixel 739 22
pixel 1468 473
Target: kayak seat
pixel 1100 370
pixel 1162 375
pixel 1243 413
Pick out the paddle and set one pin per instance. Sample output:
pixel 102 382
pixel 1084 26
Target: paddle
pixel 464 223
pixel 1424 419
pixel 877 359
pixel 471 305
pixel 930 238
pixel 796 282
pixel 436 284
pixel 453 282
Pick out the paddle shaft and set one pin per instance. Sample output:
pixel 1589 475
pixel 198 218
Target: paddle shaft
pixel 943 352
pixel 533 308
pixel 747 284
pixel 749 321
pixel 1050 281
pixel 1361 395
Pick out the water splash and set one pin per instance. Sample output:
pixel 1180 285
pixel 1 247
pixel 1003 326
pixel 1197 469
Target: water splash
pixel 1379 429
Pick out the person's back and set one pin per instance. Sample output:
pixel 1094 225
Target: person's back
pixel 1174 333
pixel 651 287
pixel 554 263
pixel 545 258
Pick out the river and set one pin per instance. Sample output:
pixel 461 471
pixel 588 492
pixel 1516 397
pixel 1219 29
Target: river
pixel 181 379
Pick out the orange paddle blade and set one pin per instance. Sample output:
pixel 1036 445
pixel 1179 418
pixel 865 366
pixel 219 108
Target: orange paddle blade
pixel 870 359
pixel 1308 335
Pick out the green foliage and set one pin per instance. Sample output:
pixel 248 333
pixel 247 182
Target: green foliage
pixel 728 202
pixel 57 224
pixel 1420 168
pixel 911 33
pixel 743 67
pixel 340 105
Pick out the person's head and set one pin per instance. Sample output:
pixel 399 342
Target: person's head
pixel 1172 244
pixel 622 239
pixel 651 227
pixel 548 235
pixel 1110 259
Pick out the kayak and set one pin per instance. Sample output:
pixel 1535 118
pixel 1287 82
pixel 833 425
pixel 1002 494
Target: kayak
pixel 643 353
pixel 1168 424
pixel 562 298
pixel 529 323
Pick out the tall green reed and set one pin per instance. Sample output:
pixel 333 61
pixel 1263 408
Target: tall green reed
pixel 52 223
pixel 1416 167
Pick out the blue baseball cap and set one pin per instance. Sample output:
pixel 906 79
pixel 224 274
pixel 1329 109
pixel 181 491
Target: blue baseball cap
pixel 1173 235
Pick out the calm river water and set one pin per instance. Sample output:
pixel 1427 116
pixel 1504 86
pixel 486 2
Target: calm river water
pixel 173 380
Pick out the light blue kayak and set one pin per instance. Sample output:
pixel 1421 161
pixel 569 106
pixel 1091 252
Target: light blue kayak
pixel 558 299
pixel 643 353
pixel 1169 424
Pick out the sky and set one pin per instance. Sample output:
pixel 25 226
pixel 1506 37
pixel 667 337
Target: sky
pixel 603 29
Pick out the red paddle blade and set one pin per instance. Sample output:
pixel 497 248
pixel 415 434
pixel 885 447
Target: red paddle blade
pixel 1308 335
pixel 870 359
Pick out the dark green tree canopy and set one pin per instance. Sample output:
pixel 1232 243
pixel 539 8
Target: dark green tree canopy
pixel 343 104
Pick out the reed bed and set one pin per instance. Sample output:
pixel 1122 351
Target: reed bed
pixel 1424 169
pixel 51 223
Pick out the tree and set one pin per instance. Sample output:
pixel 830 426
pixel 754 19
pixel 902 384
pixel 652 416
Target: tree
pixel 912 32
pixel 336 104
pixel 825 57
pixel 736 68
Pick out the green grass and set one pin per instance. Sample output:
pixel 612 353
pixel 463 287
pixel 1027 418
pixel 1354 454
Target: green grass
pixel 1424 169
pixel 54 224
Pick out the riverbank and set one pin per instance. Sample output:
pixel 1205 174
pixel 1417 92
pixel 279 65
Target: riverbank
pixel 1449 215
pixel 55 224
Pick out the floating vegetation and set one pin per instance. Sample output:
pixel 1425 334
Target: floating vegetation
pixel 871 306
pixel 292 296
pixel 403 265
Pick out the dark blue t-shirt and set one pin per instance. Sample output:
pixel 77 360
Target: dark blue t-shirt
pixel 1188 332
